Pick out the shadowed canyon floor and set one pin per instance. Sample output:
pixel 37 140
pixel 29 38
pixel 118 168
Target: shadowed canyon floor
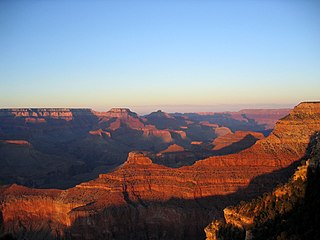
pixel 144 200
pixel 59 148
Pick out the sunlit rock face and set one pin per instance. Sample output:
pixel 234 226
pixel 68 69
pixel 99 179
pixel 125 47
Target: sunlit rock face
pixel 233 142
pixel 286 143
pixel 45 113
pixel 288 211
pixel 124 117
pixel 143 200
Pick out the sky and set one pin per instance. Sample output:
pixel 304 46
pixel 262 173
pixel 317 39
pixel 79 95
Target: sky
pixel 147 55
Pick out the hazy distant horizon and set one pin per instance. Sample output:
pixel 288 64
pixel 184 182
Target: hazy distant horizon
pixel 186 108
pixel 159 53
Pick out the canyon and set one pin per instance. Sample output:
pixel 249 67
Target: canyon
pixel 65 147
pixel 141 199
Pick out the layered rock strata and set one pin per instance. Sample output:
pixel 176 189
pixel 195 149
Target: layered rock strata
pixel 287 212
pixel 142 200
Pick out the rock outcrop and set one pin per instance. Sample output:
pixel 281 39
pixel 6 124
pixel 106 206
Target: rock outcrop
pixel 290 211
pixel 124 116
pixel 143 200
pixel 152 132
pixel 244 139
pixel 235 142
pixel 173 148
pixel 222 131
pixel 16 142
pixel 100 133
pixel 41 114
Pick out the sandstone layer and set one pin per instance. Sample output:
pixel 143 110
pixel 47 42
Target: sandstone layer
pixel 143 200
pixel 234 142
pixel 290 211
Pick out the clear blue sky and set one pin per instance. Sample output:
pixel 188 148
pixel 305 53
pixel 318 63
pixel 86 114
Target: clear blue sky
pixel 151 54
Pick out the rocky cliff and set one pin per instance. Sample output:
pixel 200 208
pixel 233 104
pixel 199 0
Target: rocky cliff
pixel 290 211
pixel 41 114
pixel 143 200
pixel 235 142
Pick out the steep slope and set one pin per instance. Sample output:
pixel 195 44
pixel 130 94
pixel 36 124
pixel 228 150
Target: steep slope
pixel 235 142
pixel 290 211
pixel 142 200
pixel 118 117
pixel 173 148
pixel 287 142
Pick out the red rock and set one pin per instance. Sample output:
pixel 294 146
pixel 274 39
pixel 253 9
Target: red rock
pixel 123 116
pixel 16 142
pixel 221 131
pixel 206 123
pixel 138 158
pixel 224 141
pixel 141 197
pixel 165 135
pixel 100 133
pixel 173 148
pixel 182 134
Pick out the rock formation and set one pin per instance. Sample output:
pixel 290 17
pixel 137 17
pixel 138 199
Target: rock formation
pixel 248 119
pixel 290 211
pixel 78 144
pixel 235 142
pixel 173 148
pixel 222 131
pixel 143 200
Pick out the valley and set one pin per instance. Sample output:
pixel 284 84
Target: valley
pixel 141 199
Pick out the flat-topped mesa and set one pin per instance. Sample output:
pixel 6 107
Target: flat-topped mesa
pixel 306 109
pixel 138 158
pixel 119 113
pixel 123 117
pixel 57 113
pixel 159 114
pixel 173 148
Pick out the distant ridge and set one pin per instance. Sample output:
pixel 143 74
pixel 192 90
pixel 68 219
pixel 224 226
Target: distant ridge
pixel 140 196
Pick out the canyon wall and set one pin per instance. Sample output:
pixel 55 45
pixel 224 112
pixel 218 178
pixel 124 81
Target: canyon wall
pixel 290 211
pixel 143 200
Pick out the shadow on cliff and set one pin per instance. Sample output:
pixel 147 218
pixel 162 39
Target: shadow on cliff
pixel 236 147
pixel 227 120
pixel 173 219
pixel 179 218
pixel 302 218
